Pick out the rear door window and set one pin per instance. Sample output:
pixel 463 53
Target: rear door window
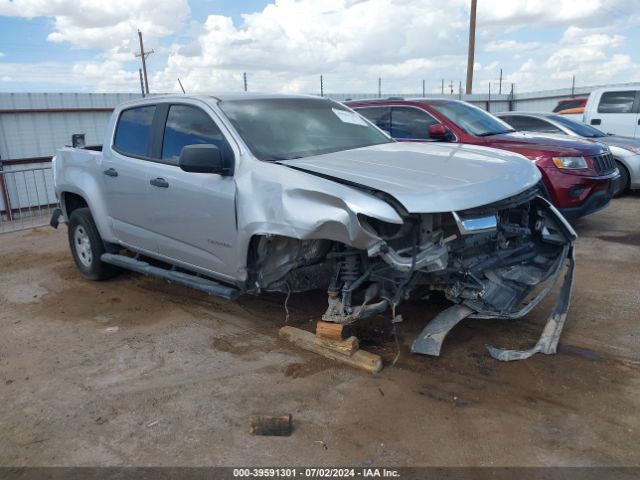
pixel 189 125
pixel 379 116
pixel 133 132
pixel 617 102
pixel 410 123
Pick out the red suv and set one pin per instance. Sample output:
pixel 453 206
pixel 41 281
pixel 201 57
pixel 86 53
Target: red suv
pixel 579 175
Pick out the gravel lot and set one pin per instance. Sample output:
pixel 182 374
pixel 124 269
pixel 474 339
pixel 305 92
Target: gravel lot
pixel 135 371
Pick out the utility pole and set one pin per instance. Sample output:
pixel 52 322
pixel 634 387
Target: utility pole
pixel 144 56
pixel 472 46
pixel 321 87
pixel 451 87
pixel 500 87
pixel 442 87
pixel 244 76
pixel 141 82
pixel 573 87
pixel 379 87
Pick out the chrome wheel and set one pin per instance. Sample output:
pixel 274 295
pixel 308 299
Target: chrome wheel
pixel 83 246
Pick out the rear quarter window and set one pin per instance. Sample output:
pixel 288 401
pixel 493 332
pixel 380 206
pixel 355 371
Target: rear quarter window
pixel 133 131
pixel 617 102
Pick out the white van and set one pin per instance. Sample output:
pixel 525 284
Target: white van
pixel 615 110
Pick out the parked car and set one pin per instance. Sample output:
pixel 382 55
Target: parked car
pixel 580 176
pixel 615 110
pixel 572 107
pixel 243 194
pixel 625 150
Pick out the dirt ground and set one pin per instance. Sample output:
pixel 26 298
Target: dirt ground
pixel 135 371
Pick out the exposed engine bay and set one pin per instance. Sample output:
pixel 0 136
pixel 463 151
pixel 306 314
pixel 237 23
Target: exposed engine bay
pixel 494 261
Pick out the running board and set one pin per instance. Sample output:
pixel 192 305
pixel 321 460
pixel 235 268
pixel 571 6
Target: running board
pixel 199 283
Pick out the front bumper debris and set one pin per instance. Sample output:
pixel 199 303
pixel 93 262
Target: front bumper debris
pixel 548 342
pixel 429 341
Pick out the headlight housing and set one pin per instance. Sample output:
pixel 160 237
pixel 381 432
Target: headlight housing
pixel 570 163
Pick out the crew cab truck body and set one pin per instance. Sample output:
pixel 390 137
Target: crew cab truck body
pixel 614 110
pixel 580 176
pixel 241 194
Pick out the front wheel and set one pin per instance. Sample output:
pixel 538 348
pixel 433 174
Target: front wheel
pixel 87 246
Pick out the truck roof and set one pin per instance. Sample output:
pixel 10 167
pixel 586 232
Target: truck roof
pixel 217 97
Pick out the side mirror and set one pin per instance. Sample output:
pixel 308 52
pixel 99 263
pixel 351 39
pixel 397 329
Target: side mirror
pixel 439 132
pixel 203 158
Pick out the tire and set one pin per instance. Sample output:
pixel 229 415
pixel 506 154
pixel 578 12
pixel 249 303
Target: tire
pixel 87 246
pixel 624 179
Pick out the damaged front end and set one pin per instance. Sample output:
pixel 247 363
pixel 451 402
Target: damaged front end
pixel 495 261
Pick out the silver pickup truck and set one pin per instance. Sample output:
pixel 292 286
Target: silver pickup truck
pixel 240 194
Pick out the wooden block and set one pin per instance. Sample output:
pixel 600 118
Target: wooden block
pixel 345 347
pixel 279 426
pixel 334 331
pixel 367 361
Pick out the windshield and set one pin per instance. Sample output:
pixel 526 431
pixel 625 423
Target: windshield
pixel 287 128
pixel 577 127
pixel 472 119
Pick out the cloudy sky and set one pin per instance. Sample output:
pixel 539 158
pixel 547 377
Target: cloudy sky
pixel 284 45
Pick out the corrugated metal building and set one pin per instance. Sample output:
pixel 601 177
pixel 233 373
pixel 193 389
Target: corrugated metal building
pixel 32 127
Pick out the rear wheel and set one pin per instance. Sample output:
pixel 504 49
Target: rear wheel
pixel 624 179
pixel 87 246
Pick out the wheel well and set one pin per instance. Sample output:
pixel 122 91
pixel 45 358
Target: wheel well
pixel 72 201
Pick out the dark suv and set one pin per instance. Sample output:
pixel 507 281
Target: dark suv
pixel 580 176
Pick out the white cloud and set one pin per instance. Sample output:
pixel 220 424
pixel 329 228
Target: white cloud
pixel 518 13
pixel 102 24
pixel 353 43
pixel 287 45
pixel 511 46
pixel 588 55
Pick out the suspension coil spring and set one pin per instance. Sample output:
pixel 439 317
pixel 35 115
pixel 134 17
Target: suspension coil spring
pixel 350 266
pixel 349 273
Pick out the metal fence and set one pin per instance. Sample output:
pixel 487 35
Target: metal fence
pixel 27 197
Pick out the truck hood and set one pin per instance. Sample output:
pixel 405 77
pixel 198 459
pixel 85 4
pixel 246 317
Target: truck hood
pixel 428 178
pixel 549 144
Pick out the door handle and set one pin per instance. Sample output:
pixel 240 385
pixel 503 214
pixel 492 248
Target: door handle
pixel 159 182
pixel 596 121
pixel 111 172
